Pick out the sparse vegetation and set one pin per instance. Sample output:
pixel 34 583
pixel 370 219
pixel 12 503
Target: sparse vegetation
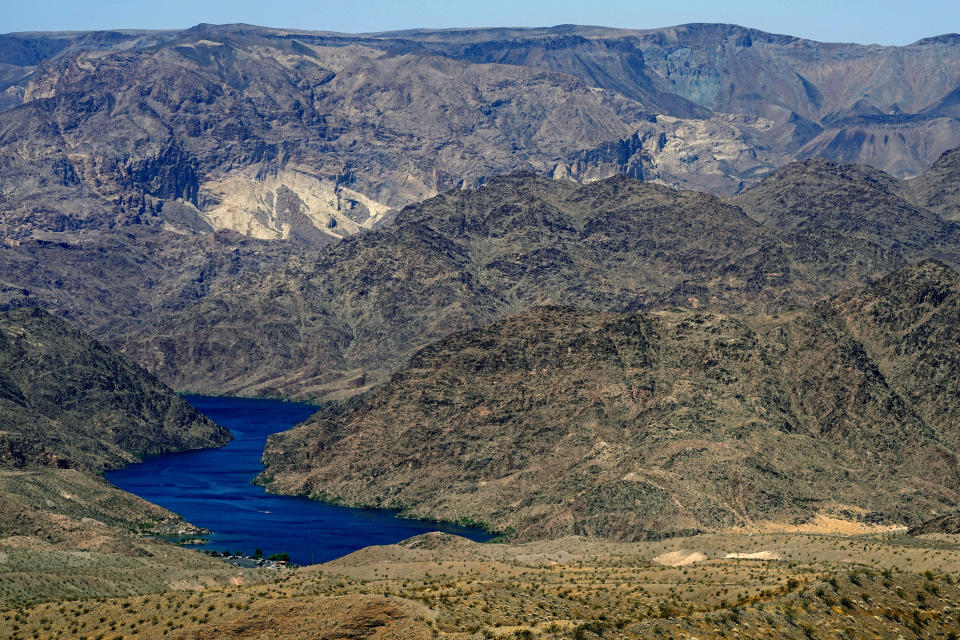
pixel 440 586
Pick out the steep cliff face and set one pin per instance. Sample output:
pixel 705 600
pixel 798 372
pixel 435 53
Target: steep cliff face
pixel 226 121
pixel 689 69
pixel 65 400
pixel 893 108
pixel 106 129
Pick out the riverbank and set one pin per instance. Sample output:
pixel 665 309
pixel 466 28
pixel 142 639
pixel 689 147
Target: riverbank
pixel 212 489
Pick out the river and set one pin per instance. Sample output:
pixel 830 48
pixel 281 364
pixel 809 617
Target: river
pixel 212 489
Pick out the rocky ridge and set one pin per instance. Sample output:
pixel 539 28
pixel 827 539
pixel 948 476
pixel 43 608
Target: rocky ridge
pixel 312 136
pixel 221 313
pixel 938 189
pixel 560 421
pixel 70 409
pixel 65 400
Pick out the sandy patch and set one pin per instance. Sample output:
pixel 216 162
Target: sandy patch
pixel 756 555
pixel 821 523
pixel 680 558
pixel 185 584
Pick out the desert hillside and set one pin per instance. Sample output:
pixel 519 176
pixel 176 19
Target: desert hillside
pixel 559 421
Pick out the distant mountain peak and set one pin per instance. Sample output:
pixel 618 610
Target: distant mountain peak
pixel 946 38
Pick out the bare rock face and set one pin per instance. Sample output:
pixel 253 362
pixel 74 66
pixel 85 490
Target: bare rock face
pixel 225 313
pixel 903 145
pixel 65 400
pixel 909 322
pixel 106 129
pixel 343 319
pixel 870 219
pixel 560 421
pixel 230 121
pixel 182 195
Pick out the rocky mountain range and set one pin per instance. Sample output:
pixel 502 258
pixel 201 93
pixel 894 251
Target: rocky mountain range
pixel 669 309
pixel 224 313
pixel 560 421
pixel 183 196
pixel 311 136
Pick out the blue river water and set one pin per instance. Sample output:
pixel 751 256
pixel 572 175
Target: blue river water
pixel 212 489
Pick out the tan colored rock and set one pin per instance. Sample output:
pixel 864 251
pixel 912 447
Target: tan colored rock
pixel 680 558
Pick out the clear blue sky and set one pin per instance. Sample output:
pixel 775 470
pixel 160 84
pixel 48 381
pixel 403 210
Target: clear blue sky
pixel 880 21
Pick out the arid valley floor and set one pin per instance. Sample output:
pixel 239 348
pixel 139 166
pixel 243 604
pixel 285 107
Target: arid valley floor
pixel 773 585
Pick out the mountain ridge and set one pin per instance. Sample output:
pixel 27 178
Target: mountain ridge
pixel 345 144
pixel 517 241
pixel 219 313
pixel 71 409
pixel 67 401
pixel 558 421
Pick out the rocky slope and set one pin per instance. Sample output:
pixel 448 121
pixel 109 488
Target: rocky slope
pixel 347 316
pixel 948 524
pixel 938 189
pixel 357 309
pixel 309 136
pixel 65 400
pixel 909 323
pixel 50 509
pixel 70 408
pixel 173 193
pixel 221 313
pixel 274 137
pixel 866 221
pixel 797 98
pixel 557 421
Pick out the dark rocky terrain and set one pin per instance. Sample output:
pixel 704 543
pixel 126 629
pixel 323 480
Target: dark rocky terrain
pixel 559 421
pixel 938 189
pixel 221 313
pixel 848 219
pixel 69 409
pixel 909 324
pixel 180 195
pixel 948 524
pixel 352 313
pixel 65 400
